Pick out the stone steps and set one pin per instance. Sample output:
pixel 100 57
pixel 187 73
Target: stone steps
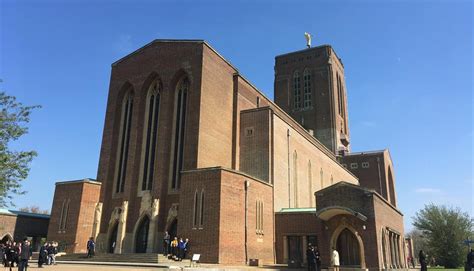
pixel 126 257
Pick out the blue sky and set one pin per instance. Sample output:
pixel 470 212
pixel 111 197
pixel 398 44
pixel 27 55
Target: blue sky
pixel 408 67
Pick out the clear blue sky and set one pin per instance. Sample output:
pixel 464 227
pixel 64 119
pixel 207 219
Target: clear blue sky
pixel 408 68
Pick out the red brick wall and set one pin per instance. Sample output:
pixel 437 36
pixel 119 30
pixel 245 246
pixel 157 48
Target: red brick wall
pixel 7 225
pixel 221 239
pixel 82 197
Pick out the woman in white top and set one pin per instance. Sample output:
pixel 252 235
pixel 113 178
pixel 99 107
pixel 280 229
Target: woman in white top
pixel 335 259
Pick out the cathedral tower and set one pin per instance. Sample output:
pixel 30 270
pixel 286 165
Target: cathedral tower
pixel 310 86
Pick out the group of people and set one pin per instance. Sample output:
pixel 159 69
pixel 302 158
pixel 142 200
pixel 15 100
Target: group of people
pixel 176 248
pixel 47 254
pixel 16 254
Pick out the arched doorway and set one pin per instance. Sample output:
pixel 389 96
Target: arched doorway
pixel 348 247
pixel 113 238
pixel 173 229
pixel 141 236
pixel 6 238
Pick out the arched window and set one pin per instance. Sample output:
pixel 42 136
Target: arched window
pixel 307 88
pixel 183 87
pixel 201 212
pixel 393 199
pixel 295 177
pixel 297 90
pixel 150 135
pixel 125 127
pixel 310 184
pixel 196 209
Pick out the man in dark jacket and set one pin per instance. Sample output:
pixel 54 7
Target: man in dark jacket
pixel 43 254
pixel 90 247
pixel 24 255
pixel 422 259
pixel 318 258
pixel 311 258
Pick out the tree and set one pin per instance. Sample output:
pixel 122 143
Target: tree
pixel 14 165
pixel 444 229
pixel 34 209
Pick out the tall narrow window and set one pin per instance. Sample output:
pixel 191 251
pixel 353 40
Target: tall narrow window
pixel 64 214
pixel 310 184
pixel 61 218
pixel 339 95
pixel 181 102
pixel 201 212
pixel 307 88
pixel 321 173
pixel 297 90
pixel 196 209
pixel 153 107
pixel 126 122
pixel 259 216
pixel 295 177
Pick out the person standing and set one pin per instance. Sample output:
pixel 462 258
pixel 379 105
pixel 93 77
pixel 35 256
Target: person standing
pixel 186 248
pixel 180 249
pixel 43 254
pixel 90 247
pixel 24 255
pixel 335 259
pixel 166 244
pixel 174 248
pixel 311 258
pixel 2 254
pixel 470 260
pixel 422 259
pixel 318 258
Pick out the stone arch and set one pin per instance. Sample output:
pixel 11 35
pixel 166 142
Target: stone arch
pixel 335 236
pixel 144 218
pixel 6 237
pixel 112 233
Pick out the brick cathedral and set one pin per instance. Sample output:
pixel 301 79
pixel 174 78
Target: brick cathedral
pixel 193 148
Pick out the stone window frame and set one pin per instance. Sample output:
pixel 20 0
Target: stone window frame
pixel 179 135
pixel 365 165
pixel 124 141
pixel 259 217
pixel 64 215
pixel 354 165
pixel 307 91
pixel 297 103
pixel 148 159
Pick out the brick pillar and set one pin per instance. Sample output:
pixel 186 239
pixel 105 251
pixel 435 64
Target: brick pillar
pixel 153 223
pixel 285 249
pixel 392 250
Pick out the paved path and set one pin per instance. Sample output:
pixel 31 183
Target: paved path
pixel 80 267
